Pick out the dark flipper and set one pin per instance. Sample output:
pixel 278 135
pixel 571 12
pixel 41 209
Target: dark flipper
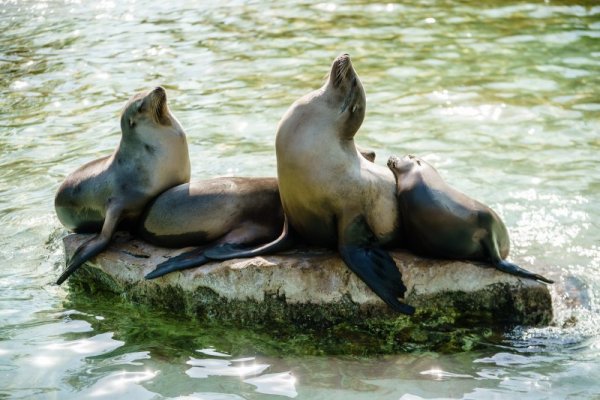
pixel 229 251
pixel 514 269
pixel 83 253
pixel 491 245
pixel 189 259
pixel 373 265
pixel 95 245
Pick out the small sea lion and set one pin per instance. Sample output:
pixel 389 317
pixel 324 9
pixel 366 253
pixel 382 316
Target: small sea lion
pixel 152 156
pixel 437 220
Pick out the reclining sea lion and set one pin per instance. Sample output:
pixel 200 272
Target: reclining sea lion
pixel 437 220
pixel 225 212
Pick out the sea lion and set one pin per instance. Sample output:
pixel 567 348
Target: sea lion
pixel 231 213
pixel 331 195
pixel 439 221
pixel 152 156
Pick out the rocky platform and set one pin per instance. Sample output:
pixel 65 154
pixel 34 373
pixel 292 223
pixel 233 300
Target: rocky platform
pixel 312 290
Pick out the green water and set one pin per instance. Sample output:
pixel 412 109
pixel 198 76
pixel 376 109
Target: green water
pixel 503 97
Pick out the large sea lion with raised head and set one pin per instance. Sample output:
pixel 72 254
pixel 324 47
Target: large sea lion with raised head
pixel 331 195
pixel 436 220
pixel 152 156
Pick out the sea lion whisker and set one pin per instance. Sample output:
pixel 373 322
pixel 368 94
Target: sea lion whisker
pixel 342 66
pixel 157 110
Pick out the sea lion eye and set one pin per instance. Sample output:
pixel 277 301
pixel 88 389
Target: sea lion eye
pixel 140 106
pixel 131 123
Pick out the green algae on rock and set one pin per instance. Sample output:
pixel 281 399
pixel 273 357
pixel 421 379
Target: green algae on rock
pixel 311 291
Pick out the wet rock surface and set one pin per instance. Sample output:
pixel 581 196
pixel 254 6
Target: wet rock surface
pixel 311 290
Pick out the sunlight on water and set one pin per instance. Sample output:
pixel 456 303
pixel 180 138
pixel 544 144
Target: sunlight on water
pixel 502 97
pixel 439 374
pixel 210 396
pixel 122 384
pixel 208 367
pixel 213 352
pixel 282 384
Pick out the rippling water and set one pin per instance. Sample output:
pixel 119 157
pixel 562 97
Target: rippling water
pixel 503 97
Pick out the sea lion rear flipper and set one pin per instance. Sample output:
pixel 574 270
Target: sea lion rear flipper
pixel 514 269
pixel 189 259
pixel 490 244
pixel 373 265
pixel 95 245
pixel 228 251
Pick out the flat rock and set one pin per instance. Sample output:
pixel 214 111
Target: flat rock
pixel 310 278
pixel 312 288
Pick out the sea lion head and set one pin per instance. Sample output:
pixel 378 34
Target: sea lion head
pixel 147 111
pixel 402 166
pixel 344 92
pixel 334 111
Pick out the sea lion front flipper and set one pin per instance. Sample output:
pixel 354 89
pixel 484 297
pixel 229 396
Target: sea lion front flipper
pixel 372 264
pixel 95 245
pixel 187 260
pixel 228 251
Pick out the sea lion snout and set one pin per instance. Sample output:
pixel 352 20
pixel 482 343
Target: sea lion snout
pixel 395 162
pixel 392 161
pixel 342 59
pixel 341 70
pixel 158 95
pixel 158 105
pixel 402 165
pixel 159 92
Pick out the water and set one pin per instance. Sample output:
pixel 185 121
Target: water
pixel 503 97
